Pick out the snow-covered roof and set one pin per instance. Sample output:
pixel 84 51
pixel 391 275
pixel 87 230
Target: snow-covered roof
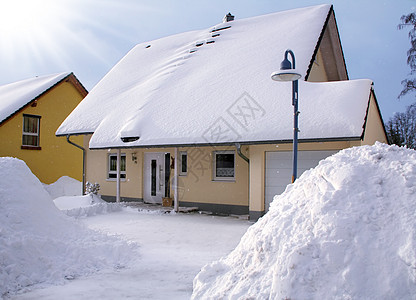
pixel 16 95
pixel 214 86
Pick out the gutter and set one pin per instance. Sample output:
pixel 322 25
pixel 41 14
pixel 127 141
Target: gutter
pixel 83 162
pixel 313 140
pixel 238 146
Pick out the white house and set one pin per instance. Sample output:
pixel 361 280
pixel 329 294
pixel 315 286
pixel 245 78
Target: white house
pixel 200 107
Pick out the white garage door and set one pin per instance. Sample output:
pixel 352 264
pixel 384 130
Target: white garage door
pixel 279 169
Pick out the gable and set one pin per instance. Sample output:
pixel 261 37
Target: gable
pixel 373 129
pixel 328 57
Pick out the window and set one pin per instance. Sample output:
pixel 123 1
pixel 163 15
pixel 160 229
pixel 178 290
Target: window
pixel 112 166
pixel 183 163
pixel 31 128
pixel 224 162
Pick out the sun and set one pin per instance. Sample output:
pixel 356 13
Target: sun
pixel 30 32
pixel 27 18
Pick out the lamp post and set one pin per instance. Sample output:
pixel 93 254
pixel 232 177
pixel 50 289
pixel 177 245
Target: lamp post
pixel 288 73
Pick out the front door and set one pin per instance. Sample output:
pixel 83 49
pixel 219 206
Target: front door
pixel 154 177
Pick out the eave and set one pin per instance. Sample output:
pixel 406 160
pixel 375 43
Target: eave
pixel 313 140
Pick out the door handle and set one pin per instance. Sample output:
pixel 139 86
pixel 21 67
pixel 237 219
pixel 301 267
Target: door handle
pixel 160 177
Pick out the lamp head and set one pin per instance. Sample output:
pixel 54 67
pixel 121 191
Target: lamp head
pixel 286 64
pixel 287 73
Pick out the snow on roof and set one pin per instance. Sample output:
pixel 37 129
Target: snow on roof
pixel 14 96
pixel 214 86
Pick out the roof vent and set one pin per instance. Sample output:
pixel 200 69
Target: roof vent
pixel 227 18
pixel 130 139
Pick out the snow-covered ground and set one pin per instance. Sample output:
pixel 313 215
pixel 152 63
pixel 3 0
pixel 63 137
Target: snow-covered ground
pixel 173 249
pixel 45 254
pixel 344 230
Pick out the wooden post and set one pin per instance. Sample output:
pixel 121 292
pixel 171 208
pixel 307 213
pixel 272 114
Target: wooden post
pixel 118 175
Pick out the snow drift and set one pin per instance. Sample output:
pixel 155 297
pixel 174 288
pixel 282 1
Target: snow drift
pixel 85 206
pixel 38 243
pixel 64 186
pixel 344 230
pixel 66 193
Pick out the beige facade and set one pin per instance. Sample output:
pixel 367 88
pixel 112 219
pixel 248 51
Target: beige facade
pixel 196 188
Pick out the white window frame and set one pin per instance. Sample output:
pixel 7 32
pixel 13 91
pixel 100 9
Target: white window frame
pixel 36 134
pixel 214 169
pixel 123 174
pixel 181 154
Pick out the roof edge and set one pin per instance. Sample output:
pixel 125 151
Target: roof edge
pixel 71 78
pixel 73 134
pixel 313 140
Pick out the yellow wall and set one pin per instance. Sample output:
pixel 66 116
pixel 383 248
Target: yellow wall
pixel 56 157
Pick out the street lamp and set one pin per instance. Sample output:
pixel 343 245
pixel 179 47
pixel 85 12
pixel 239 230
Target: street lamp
pixel 287 73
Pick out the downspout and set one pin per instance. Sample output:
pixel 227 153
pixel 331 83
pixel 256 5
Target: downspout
pixel 83 161
pixel 175 195
pixel 238 146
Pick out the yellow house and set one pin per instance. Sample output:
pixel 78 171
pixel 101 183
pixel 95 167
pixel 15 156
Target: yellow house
pixel 196 116
pixel 30 112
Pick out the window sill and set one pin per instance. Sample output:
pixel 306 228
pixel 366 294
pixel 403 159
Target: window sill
pixel 31 148
pixel 114 179
pixel 223 180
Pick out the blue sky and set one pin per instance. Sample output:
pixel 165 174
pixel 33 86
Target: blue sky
pixel 88 37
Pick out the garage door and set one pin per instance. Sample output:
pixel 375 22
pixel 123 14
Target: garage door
pixel 279 169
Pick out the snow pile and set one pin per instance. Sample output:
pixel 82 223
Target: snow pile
pixel 40 245
pixel 344 230
pixel 64 186
pixel 85 206
pixel 66 193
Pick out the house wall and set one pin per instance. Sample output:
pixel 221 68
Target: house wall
pixel 56 157
pixel 374 128
pixel 318 72
pixel 197 188
pixel 97 170
pixel 257 168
